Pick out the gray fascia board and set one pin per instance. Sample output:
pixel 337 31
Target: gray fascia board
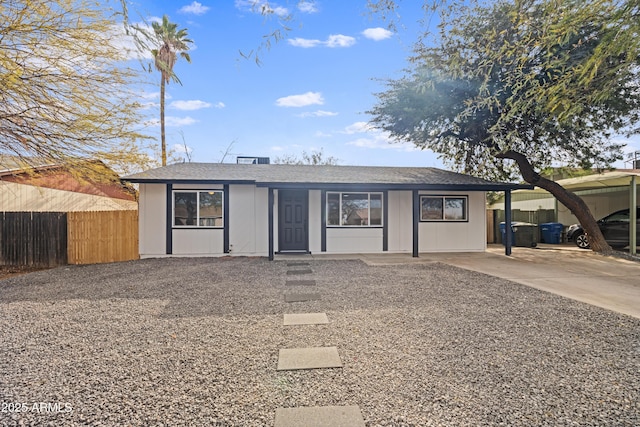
pixel 341 186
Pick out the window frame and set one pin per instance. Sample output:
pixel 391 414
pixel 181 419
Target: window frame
pixel 444 198
pixel 197 218
pixel 380 194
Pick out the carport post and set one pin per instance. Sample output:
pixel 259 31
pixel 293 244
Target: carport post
pixel 633 214
pixel 270 203
pixel 507 222
pixel 416 223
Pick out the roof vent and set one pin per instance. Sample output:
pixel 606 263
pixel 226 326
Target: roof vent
pixel 246 160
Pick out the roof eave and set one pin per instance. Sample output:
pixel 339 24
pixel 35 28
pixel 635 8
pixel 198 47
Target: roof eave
pixel 341 185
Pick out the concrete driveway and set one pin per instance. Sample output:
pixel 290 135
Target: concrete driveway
pixel 607 282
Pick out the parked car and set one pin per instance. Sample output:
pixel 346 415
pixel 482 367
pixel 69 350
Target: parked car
pixel 614 227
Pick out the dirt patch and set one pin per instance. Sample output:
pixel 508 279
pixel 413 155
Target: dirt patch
pixel 11 271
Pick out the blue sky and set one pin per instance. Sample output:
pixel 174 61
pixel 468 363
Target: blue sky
pixel 310 92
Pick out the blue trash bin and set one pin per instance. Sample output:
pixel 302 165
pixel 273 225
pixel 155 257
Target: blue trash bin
pixel 551 232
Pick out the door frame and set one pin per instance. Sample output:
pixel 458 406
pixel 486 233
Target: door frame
pixel 281 193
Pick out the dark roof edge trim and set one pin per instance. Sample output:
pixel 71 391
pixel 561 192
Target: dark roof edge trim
pixel 383 186
pixel 187 181
pixel 343 186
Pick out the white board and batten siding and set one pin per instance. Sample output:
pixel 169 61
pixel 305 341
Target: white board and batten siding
pixel 463 236
pixel 400 232
pixel 249 227
pixel 248 220
pixel 467 236
pixel 152 207
pixel 197 242
pixel 248 224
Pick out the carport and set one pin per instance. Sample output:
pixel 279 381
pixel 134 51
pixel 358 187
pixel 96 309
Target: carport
pixel 604 193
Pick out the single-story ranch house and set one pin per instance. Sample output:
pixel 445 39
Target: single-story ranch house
pixel 216 209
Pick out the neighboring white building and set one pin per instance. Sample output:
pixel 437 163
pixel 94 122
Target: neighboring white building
pixel 203 209
pixel 604 193
pixel 53 188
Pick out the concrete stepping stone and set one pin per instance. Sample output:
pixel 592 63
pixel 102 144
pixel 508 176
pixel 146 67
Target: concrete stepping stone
pixel 291 359
pixel 297 264
pixel 300 283
pixel 304 271
pixel 305 319
pixel 319 416
pixel 301 297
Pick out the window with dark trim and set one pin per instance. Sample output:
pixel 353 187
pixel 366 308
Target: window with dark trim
pixel 444 208
pixel 201 209
pixel 354 209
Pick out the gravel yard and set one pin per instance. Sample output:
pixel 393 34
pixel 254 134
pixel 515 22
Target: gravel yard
pixel 195 342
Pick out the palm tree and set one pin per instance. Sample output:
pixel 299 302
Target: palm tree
pixel 171 41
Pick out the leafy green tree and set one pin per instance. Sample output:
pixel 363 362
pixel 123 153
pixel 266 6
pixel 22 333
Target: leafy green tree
pixel 171 43
pixel 65 89
pixel 520 87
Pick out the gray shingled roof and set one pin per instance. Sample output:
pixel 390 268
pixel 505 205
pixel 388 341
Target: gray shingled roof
pixel 272 174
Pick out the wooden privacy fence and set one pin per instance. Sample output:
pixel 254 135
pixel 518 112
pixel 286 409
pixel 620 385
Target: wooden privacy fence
pixel 36 239
pixel 95 237
pixel 47 239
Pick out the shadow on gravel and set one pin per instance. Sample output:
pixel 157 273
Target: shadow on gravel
pixel 194 287
pixel 422 344
pixel 191 286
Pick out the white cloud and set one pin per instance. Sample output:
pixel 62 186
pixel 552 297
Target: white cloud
pixel 334 40
pixel 149 105
pixel 377 33
pixel 126 44
pixel 339 40
pixel 306 43
pixel 189 105
pixel 319 113
pixel 309 98
pixel 320 134
pixel 171 121
pixel 382 142
pixel 194 8
pixel 181 148
pixel 307 7
pixel 150 95
pixel 262 7
pixel 277 148
pixel 374 138
pixel 219 105
pixel 179 121
pixel 358 127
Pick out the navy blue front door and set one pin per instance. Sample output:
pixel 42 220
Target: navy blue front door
pixel 293 207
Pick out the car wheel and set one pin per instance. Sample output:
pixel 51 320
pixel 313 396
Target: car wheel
pixel 581 241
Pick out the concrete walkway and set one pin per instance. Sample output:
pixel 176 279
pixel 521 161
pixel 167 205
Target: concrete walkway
pixel 311 358
pixel 606 282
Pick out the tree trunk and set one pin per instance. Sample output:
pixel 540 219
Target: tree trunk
pixel 574 203
pixel 162 135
